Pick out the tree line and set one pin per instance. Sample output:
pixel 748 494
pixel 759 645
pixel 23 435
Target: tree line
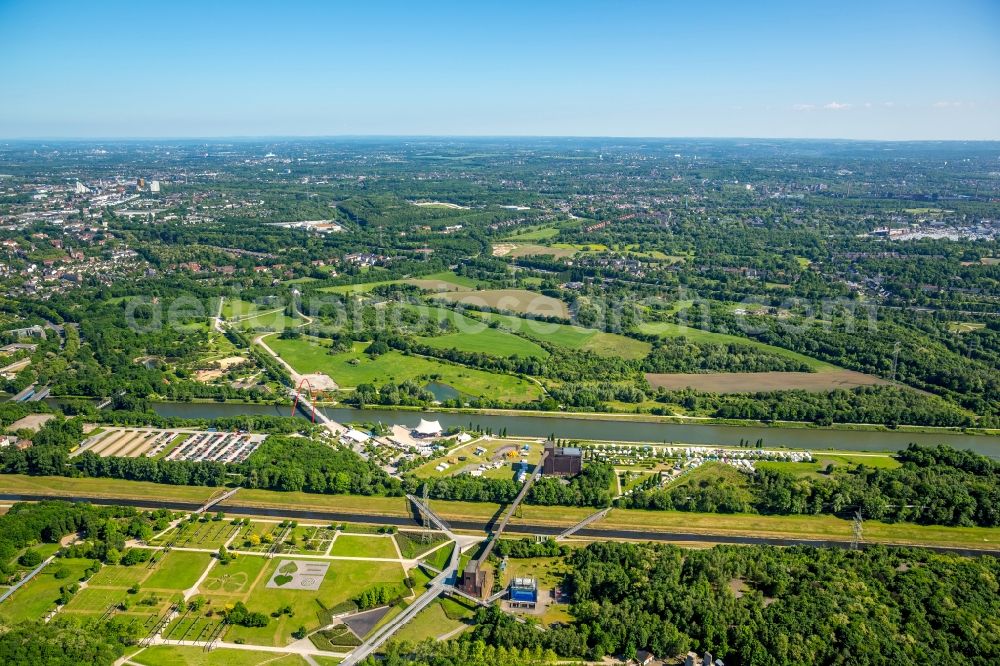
pixel 934 486
pixel 767 606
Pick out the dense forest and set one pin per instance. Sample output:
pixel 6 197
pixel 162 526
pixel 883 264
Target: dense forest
pixel 888 405
pixel 764 606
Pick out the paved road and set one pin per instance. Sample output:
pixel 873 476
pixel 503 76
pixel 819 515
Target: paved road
pixel 482 526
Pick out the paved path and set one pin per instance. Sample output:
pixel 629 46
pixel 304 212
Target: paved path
pixel 383 634
pixel 592 518
pixel 288 649
pixel 215 500
pixel 217 319
pixel 19 584
pixel 335 428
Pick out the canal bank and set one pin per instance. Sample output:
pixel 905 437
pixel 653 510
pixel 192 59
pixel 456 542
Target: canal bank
pixel 680 536
pixel 623 430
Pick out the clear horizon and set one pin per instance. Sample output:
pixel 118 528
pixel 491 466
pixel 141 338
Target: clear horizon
pixel 891 71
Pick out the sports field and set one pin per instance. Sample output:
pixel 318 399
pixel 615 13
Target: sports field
pixel 531 249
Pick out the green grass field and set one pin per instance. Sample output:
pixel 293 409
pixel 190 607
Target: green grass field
pixel 443 281
pixel 177 570
pixel 236 577
pixel 96 599
pixel 440 557
pixel 235 308
pixel 534 234
pixel 355 367
pixel 384 506
pixel 344 580
pixel 513 300
pixel 39 595
pixel 670 330
pixel 582 247
pixel 62 485
pixel 210 534
pixel 840 461
pixel 175 655
pixel 799 527
pixel 420 577
pixel 473 335
pixel 350 545
pixel 527 514
pixel 549 571
pixel 414 544
pixel 572 337
pixel 519 249
pixel 965 326
pixel 360 288
pixel 117 575
pixel 487 341
pixel 269 321
pixel 431 622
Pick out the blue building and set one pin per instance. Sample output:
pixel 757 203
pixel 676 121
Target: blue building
pixel 523 593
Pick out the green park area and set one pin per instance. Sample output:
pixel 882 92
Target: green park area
pixel 513 300
pixel 467 334
pixel 571 336
pixel 40 595
pixel 178 655
pixel 344 580
pixel 442 618
pixel 349 369
pixel 357 545
pixel 61 486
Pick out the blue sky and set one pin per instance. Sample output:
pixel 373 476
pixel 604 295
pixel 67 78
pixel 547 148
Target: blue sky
pixel 845 69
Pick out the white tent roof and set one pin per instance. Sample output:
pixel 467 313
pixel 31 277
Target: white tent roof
pixel 357 436
pixel 428 427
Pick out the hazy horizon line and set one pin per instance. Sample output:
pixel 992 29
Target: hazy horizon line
pixel 258 137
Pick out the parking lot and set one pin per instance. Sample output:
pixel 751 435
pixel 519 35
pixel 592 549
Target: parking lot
pixel 172 444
